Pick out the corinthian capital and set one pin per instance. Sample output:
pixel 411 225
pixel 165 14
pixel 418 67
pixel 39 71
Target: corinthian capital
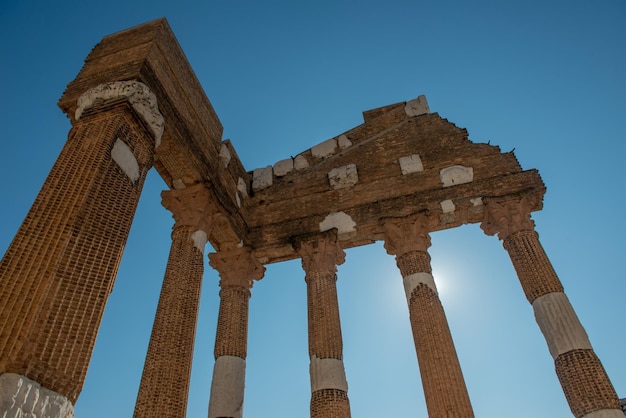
pixel 238 267
pixel 507 217
pixel 321 254
pixel 194 206
pixel 405 235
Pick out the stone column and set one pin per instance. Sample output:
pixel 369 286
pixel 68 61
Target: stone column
pixel 57 273
pixel 329 388
pixel 442 380
pixel 164 387
pixel 585 383
pixel 237 268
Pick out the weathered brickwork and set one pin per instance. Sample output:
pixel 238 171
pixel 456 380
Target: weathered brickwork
pixel 399 176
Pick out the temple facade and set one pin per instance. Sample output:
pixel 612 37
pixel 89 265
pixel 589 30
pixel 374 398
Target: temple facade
pixel 398 177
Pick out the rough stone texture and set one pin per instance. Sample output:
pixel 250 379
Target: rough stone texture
pixel 21 397
pixel 327 373
pixel 325 149
pixel 342 222
pixel 262 178
pixel 283 167
pixel 342 177
pixel 451 176
pixel 410 164
pixel 417 106
pixel 227 388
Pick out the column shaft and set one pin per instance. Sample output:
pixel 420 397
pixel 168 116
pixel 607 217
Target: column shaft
pixel 442 379
pixel 58 272
pixel 329 388
pixel 585 383
pixel 237 268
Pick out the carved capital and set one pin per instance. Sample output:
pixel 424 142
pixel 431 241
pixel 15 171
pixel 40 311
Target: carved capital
pixel 139 96
pixel 194 206
pixel 238 267
pixel 406 235
pixel 322 254
pixel 507 217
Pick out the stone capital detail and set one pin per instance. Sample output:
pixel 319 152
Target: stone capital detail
pixel 238 267
pixel 405 235
pixel 507 217
pixel 322 254
pixel 139 96
pixel 194 206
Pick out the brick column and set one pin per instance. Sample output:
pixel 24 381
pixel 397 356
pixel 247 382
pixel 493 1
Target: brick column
pixel 237 269
pixel 164 384
pixel 57 273
pixel 329 388
pixel 585 383
pixel 444 387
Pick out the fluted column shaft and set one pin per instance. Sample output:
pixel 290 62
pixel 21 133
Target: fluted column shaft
pixel 237 268
pixel 329 388
pixel 442 380
pixel 58 272
pixel 587 388
pixel 164 387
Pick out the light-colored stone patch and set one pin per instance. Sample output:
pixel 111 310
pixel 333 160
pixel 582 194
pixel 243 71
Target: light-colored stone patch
pixel 325 149
pixel 343 177
pixel 417 106
pixel 342 221
pixel 477 201
pixel 242 187
pixel 456 174
pixel 605 413
pixel 139 96
pixel 447 206
pixel 238 199
pixel 125 159
pixel 327 373
pixel 178 184
pixel 410 164
pixel 227 388
pixel 283 167
pixel 413 280
pixel 262 178
pixel 225 155
pixel 559 324
pixel 300 162
pixel 21 397
pixel 344 142
pixel 199 239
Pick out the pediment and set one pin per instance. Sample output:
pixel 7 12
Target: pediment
pixel 396 164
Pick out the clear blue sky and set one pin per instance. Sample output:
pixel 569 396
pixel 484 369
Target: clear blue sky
pixel 545 78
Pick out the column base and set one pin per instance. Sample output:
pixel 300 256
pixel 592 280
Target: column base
pixel 227 387
pixel 22 397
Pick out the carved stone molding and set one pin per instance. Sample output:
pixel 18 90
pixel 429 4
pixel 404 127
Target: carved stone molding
pixel 507 217
pixel 322 254
pixel 409 234
pixel 194 206
pixel 237 267
pixel 139 96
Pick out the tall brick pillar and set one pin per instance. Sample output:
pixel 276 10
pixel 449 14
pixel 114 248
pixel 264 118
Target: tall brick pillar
pixel 329 388
pixel 237 268
pixel 585 383
pixel 57 273
pixel 442 380
pixel 164 384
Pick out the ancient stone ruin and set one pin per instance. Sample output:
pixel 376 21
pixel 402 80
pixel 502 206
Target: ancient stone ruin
pixel 402 174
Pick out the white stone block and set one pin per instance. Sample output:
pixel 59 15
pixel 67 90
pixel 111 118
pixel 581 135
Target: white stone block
pixel 477 201
pixel 342 177
pixel 225 155
pixel 227 388
pixel 456 174
pixel 199 239
pixel 417 107
pixel 340 220
pixel 21 397
pixel 344 142
pixel 242 187
pixel 125 159
pixel 300 162
pixel 262 178
pixel 325 149
pixel 447 206
pixel 410 164
pixel 178 184
pixel 559 324
pixel 327 373
pixel 283 167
